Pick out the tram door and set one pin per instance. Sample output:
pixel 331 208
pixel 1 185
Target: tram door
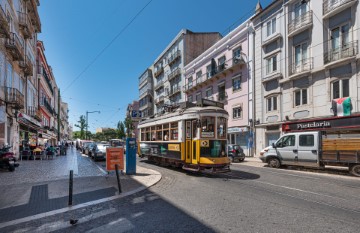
pixel 189 142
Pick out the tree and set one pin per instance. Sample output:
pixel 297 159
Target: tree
pixel 76 134
pixel 82 126
pixel 121 130
pixel 128 126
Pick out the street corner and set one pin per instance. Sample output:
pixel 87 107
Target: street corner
pixel 146 177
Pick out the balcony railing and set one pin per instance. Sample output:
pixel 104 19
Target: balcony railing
pixel 34 112
pixel 333 5
pixel 216 71
pixel 25 25
pixel 4 24
pixel 300 22
pixel 345 51
pixel 222 96
pixel 14 97
pixel 33 13
pixel 159 84
pixel 159 71
pixel 173 58
pixel 159 99
pixel 145 93
pixel 174 74
pixel 27 66
pixel 48 107
pixel 301 66
pixel 174 90
pixel 15 47
pixel 42 71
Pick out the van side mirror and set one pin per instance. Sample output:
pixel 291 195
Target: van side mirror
pixel 273 145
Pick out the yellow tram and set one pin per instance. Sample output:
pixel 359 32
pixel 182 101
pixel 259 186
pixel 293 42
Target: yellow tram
pixel 189 136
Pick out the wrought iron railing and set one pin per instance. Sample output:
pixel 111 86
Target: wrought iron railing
pixel 25 24
pixel 4 23
pixel 42 71
pixel 14 97
pixel 222 96
pixel 175 73
pixel 346 50
pixel 47 105
pixel 159 71
pixel 159 84
pixel 301 66
pixel 330 5
pixel 16 46
pixel 174 57
pixel 300 21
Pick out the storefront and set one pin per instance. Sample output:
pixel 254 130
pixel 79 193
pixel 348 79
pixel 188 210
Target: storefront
pixel 28 131
pixel 240 136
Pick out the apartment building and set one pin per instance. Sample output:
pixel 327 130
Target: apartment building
pixel 19 116
pixel 146 93
pixel 221 73
pixel 64 124
pixel 168 73
pixel 306 55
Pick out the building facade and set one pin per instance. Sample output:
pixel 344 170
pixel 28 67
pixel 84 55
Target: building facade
pixel 306 55
pixel 168 76
pixel 222 74
pixel 146 94
pixel 135 116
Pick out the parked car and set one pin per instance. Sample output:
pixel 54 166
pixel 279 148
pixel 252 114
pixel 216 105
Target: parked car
pixel 235 153
pixel 85 146
pixel 99 151
pixel 88 149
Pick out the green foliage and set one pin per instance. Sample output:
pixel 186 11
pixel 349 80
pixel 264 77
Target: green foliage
pixel 82 126
pixel 121 130
pixel 128 126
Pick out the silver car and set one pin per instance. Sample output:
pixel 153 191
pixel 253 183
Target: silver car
pixel 99 151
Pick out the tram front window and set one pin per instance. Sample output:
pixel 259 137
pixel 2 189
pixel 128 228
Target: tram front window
pixel 216 149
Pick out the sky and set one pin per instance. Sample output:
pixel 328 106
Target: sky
pixel 99 49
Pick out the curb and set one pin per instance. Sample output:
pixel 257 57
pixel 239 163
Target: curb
pixel 63 210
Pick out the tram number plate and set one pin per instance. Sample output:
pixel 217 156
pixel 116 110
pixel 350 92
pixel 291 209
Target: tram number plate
pixel 204 143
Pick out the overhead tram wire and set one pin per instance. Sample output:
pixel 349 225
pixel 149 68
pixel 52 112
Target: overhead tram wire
pixel 107 46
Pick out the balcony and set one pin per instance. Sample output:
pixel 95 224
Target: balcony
pixel 43 73
pixel 15 47
pixel 25 25
pixel 145 106
pixel 33 13
pixel 145 93
pixel 174 90
pixel 35 113
pixel 332 7
pixel 300 68
pixel 27 66
pixel 222 96
pixel 338 55
pixel 174 57
pixel 4 24
pixel 158 72
pixel 14 97
pixel 158 85
pixel 300 23
pixel 216 73
pixel 48 107
pixel 174 74
pixel 159 100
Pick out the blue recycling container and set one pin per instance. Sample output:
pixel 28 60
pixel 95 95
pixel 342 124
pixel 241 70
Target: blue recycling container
pixel 131 156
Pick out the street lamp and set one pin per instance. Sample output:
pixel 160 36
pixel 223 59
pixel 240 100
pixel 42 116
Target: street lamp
pixel 87 122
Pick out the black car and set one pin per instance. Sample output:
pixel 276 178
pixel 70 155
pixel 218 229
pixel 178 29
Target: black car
pixel 235 153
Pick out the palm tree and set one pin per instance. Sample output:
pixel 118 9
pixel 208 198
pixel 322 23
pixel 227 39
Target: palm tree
pixel 82 126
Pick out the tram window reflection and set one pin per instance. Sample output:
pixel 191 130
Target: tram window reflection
pixel 207 127
pixel 174 131
pixel 221 127
pixel 159 132
pixel 216 149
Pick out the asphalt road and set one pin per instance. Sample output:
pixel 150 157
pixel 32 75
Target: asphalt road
pixel 249 199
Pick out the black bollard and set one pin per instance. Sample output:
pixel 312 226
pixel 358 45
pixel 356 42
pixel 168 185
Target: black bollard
pixel 118 178
pixel 71 187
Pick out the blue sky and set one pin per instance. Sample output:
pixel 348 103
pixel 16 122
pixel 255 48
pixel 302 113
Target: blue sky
pixel 76 31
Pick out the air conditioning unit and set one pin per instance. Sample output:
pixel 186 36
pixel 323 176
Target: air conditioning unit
pixel 238 59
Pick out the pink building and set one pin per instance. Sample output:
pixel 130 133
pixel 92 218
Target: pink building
pixel 221 74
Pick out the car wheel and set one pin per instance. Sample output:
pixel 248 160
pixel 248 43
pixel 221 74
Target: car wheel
pixel 11 168
pixel 241 159
pixel 274 163
pixel 355 170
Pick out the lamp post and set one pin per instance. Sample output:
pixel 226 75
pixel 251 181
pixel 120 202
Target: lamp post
pixel 87 122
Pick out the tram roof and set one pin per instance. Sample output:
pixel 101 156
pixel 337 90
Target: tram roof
pixel 179 114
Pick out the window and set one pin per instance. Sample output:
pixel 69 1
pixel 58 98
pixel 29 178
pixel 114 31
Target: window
pixel 208 127
pixel 190 82
pixel 174 131
pixel 286 141
pixel 300 97
pixel 209 93
pixel 301 54
pixel 271 27
pixel 340 89
pixel 237 52
pixel 237 112
pixel 166 131
pixel 198 96
pixel 221 127
pixel 221 63
pixel 236 83
pixel 190 98
pixel 209 72
pixel 300 9
pixel 198 77
pixel 340 37
pixel 271 65
pixel 306 140
pixel 271 103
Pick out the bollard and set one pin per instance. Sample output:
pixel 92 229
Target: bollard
pixel 118 178
pixel 71 187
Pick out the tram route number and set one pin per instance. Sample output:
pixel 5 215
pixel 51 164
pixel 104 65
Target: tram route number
pixel 204 143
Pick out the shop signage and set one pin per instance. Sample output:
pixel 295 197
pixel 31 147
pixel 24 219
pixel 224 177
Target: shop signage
pixel 237 129
pixel 207 134
pixel 114 155
pixel 26 117
pixel 312 125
